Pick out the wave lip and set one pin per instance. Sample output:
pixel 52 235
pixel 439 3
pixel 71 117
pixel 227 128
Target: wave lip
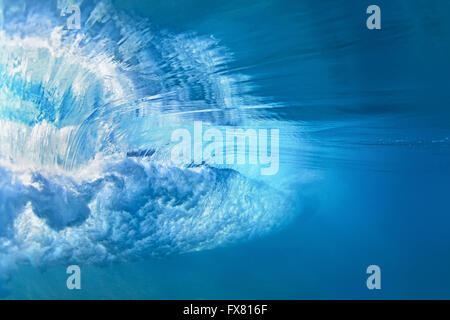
pixel 115 85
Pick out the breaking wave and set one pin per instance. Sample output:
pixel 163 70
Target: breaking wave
pixel 85 118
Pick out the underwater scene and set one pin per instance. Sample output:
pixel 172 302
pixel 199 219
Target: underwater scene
pixel 205 149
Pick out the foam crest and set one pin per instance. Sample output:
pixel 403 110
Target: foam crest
pixel 130 208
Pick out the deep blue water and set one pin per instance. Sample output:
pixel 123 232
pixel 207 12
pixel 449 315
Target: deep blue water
pixel 364 150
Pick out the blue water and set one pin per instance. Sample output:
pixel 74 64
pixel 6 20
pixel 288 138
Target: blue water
pixel 85 123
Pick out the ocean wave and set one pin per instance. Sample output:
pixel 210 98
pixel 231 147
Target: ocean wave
pixel 77 107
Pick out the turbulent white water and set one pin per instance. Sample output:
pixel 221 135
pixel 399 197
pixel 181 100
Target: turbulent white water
pixel 74 103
